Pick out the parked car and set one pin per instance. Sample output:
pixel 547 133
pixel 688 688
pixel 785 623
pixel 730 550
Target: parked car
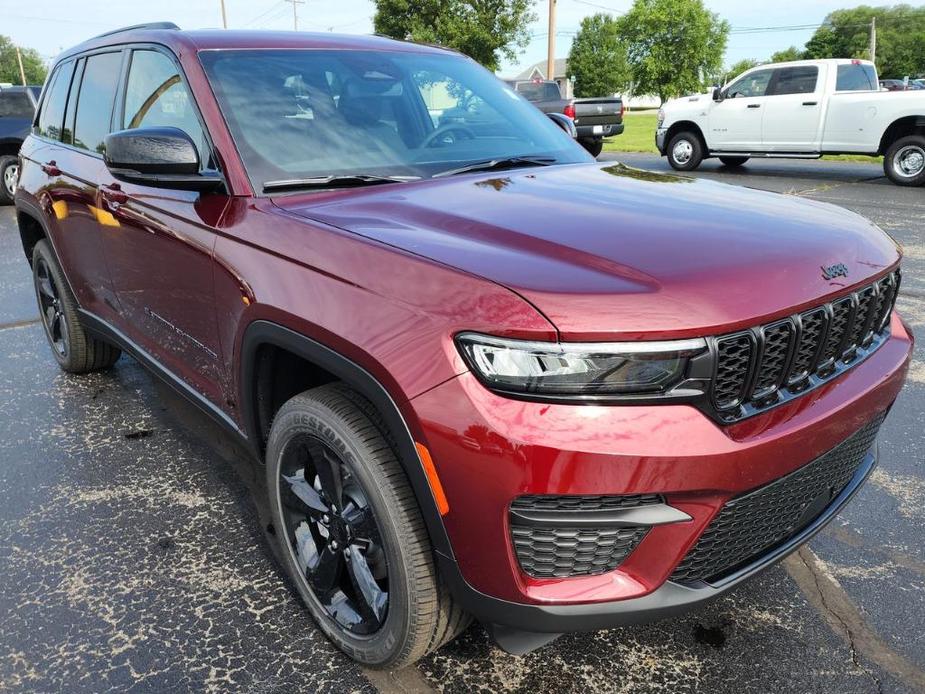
pixel 801 109
pixel 17 109
pixel 893 85
pixel 594 119
pixel 482 375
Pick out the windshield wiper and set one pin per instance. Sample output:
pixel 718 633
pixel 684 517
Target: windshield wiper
pixel 346 181
pixel 496 164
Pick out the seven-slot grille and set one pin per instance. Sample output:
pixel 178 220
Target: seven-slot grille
pixel 756 522
pixel 769 364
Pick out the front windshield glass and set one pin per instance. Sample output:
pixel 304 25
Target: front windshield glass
pixel 303 114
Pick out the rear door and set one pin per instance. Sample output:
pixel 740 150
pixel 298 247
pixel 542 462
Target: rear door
pixel 159 241
pixel 735 122
pixel 793 110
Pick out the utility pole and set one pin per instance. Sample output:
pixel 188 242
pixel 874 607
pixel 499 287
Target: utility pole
pixel 873 40
pixel 295 13
pixel 22 72
pixel 551 43
pixel 224 16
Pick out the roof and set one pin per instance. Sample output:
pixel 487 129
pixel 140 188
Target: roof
pixel 208 39
pixel 561 66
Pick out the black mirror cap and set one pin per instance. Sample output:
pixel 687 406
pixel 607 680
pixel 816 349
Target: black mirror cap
pixel 718 94
pixel 566 123
pixel 161 157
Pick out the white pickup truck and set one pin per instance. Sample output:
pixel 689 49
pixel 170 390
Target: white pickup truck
pixel 801 109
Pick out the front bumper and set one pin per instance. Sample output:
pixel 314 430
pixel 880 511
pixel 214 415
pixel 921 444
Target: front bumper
pixel 660 144
pixel 594 131
pixel 489 450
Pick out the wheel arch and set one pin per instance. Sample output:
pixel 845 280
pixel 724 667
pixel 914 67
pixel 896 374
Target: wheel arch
pixel 31 231
pixel 330 365
pixel 901 127
pixel 685 125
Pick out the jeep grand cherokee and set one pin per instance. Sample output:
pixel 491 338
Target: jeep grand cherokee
pixel 483 375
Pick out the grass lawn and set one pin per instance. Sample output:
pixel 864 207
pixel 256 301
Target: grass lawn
pixel 639 136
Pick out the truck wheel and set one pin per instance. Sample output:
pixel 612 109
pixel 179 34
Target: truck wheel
pixel 733 161
pixel 594 145
pixel 75 350
pixel 350 533
pixel 9 175
pixel 685 152
pixel 904 161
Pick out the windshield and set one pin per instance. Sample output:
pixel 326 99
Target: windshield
pixel 305 114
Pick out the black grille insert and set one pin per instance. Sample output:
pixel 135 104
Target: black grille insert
pixel 556 549
pixel 754 523
pixel 770 364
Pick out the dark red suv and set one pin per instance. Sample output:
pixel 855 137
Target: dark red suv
pixel 485 375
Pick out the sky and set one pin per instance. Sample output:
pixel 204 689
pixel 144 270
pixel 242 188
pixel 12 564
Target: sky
pixel 52 25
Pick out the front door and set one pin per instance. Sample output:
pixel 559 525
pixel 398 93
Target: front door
pixel 793 110
pixel 735 122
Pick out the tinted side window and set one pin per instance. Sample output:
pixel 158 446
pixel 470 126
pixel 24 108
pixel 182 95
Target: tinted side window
pixel 52 115
pixel 852 78
pixel 94 104
pixel 795 80
pixel 753 84
pixel 15 105
pixel 156 96
pixel 552 91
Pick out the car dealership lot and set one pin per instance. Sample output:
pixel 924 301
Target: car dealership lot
pixel 131 553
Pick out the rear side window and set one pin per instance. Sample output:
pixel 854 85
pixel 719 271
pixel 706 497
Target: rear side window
pixel 94 104
pixel 156 96
pixel 15 105
pixel 52 115
pixel 856 78
pixel 795 80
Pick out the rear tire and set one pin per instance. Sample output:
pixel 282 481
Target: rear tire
pixel 904 161
pixel 9 176
pixel 331 433
pixel 594 146
pixel 74 349
pixel 685 151
pixel 733 162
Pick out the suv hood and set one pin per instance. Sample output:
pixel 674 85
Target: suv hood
pixel 608 251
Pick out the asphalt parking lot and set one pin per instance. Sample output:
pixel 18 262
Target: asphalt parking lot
pixel 133 557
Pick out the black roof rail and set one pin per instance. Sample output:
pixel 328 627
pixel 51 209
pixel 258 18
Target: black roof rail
pixel 134 27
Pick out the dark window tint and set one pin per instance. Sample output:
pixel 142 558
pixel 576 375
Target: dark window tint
pixel 67 135
pixel 852 78
pixel 753 84
pixel 55 102
pixel 532 91
pixel 15 105
pixel 795 80
pixel 156 96
pixel 94 105
pixel 552 91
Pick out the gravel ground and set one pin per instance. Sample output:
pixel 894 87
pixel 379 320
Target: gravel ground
pixel 133 555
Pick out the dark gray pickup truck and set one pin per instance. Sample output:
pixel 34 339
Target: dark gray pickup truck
pixel 594 119
pixel 17 109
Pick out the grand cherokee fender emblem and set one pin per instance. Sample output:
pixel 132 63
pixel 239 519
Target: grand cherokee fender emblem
pixel 830 272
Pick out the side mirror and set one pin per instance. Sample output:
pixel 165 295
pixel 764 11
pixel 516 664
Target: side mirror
pixel 566 123
pixel 158 157
pixel 718 94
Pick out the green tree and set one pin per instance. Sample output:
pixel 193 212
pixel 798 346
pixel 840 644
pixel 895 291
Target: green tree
pixel 787 55
pixel 32 63
pixel 485 30
pixel 672 46
pixel 739 67
pixel 900 38
pixel 597 58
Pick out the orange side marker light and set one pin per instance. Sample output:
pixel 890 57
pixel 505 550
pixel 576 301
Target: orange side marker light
pixel 435 487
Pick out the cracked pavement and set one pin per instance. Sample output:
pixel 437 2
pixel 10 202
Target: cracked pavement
pixel 133 554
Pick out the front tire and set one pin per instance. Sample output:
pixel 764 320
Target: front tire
pixel 733 162
pixel 74 349
pixel 350 533
pixel 594 146
pixel 685 151
pixel 9 177
pixel 904 161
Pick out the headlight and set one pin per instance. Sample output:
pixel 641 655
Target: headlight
pixel 578 369
pixel 660 118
